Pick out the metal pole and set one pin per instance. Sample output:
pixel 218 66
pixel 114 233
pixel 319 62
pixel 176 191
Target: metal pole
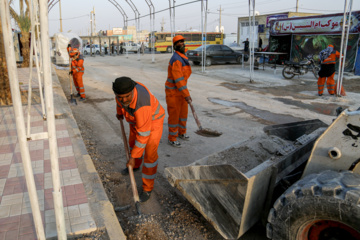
pixel 171 26
pixel 343 46
pixel 206 9
pixel 19 117
pixel 60 16
pixel 202 37
pixel 38 50
pixel 57 194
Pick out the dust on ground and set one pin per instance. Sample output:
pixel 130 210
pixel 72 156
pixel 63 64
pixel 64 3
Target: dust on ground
pixel 167 215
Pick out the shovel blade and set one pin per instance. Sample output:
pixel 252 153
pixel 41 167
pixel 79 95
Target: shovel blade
pixel 73 100
pixel 205 132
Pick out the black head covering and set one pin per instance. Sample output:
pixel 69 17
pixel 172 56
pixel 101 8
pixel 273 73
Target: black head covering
pixel 123 85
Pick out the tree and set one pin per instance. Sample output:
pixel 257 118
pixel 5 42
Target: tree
pixel 24 23
pixel 5 93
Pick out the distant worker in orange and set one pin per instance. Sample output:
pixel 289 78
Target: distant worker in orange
pixel 328 60
pixel 145 116
pixel 177 93
pixel 77 71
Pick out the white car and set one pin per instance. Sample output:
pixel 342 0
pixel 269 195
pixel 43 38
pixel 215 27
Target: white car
pixel 95 49
pixel 132 47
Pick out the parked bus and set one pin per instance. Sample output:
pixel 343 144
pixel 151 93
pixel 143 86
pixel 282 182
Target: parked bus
pixel 163 40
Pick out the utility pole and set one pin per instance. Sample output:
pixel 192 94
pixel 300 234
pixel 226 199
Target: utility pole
pixel 297 5
pixel 94 20
pixel 220 18
pixel 162 25
pixel 60 16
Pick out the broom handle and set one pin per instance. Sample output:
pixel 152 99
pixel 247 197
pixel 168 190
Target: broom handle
pixel 195 116
pixel 71 92
pixel 131 172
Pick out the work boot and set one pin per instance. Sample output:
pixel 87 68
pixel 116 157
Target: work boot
pixel 320 95
pixel 78 95
pixel 184 137
pixel 125 171
pixel 174 143
pixel 82 99
pixel 144 196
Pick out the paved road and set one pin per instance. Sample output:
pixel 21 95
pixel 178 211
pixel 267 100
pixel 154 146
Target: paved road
pixel 223 98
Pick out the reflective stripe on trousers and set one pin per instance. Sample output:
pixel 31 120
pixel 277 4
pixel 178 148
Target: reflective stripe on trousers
pixel 79 85
pixel 330 83
pixel 150 165
pixel 178 111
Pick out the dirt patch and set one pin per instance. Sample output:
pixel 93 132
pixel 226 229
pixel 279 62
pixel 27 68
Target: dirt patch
pixel 167 215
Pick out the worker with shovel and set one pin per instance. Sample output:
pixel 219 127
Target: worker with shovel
pixel 77 71
pixel 177 93
pixel 145 116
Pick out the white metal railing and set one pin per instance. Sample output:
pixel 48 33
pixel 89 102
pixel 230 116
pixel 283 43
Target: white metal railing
pixel 43 69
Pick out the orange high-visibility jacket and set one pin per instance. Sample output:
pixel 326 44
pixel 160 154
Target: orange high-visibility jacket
pixel 332 58
pixel 179 71
pixel 77 65
pixel 142 111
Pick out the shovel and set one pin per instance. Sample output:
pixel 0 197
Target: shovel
pixel 72 99
pixel 206 132
pixel 131 172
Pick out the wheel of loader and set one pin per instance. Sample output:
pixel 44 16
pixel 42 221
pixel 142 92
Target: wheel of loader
pixel 322 206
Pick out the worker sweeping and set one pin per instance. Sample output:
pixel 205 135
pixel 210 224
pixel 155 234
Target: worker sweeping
pixel 77 71
pixel 177 93
pixel 327 71
pixel 145 116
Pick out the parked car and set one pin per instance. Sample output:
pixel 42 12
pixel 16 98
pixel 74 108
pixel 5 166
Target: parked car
pixel 132 47
pixel 95 49
pixel 216 53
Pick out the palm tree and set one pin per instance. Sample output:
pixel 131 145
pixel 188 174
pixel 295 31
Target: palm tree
pixel 5 94
pixel 24 23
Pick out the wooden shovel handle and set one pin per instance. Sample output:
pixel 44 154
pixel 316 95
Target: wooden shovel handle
pixel 71 91
pixel 195 115
pixel 131 172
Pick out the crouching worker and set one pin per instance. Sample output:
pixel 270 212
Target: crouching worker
pixel 145 116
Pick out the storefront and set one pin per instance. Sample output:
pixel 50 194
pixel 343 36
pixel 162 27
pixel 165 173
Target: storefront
pixel 303 36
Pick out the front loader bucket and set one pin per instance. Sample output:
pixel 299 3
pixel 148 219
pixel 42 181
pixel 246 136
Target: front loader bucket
pixel 230 200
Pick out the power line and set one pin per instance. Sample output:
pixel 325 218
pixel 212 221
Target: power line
pixel 69 18
pixel 320 10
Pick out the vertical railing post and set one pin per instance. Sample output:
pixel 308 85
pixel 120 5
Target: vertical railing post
pixel 19 118
pixel 57 193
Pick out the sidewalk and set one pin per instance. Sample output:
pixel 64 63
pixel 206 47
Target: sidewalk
pixel 86 205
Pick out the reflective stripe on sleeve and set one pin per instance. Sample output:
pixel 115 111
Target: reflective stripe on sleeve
pixel 170 87
pixel 179 79
pixel 170 80
pixel 182 88
pixel 159 117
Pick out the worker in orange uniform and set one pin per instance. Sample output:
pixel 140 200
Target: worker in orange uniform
pixel 145 116
pixel 328 60
pixel 77 71
pixel 177 93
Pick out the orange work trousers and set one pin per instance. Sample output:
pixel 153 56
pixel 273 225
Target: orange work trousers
pixel 78 82
pixel 330 83
pixel 177 109
pixel 150 155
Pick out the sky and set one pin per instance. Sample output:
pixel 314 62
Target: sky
pixel 76 13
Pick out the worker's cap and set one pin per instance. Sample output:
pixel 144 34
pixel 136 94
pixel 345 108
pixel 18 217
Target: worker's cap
pixel 178 38
pixel 123 85
pixel 330 45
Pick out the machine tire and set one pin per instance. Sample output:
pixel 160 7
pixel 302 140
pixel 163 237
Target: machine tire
pixel 286 74
pixel 319 205
pixel 208 61
pixel 168 50
pixel 239 59
pixel 196 63
pixel 98 52
pixel 85 52
pixel 315 71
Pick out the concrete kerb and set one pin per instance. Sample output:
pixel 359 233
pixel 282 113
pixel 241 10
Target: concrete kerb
pixel 102 210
